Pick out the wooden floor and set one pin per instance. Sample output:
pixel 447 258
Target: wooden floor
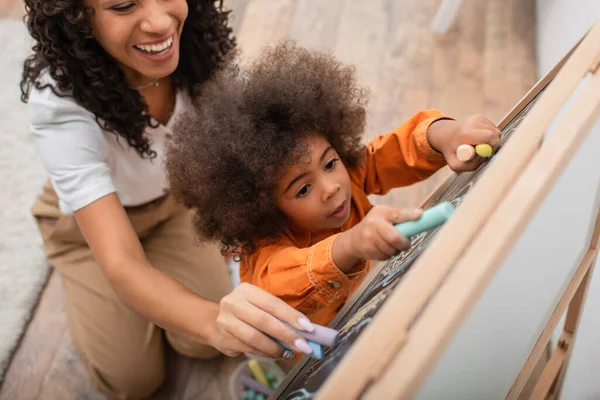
pixel 483 65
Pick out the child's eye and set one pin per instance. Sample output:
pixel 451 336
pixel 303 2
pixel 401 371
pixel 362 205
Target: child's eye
pixel 122 7
pixel 303 191
pixel 331 164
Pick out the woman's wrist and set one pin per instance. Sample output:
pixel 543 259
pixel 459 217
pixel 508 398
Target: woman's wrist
pixel 206 324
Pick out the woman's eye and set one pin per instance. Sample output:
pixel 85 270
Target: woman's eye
pixel 303 191
pixel 331 164
pixel 122 7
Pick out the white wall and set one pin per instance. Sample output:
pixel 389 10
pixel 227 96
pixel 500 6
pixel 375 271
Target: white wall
pixel 560 23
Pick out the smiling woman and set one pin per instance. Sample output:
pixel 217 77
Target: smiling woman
pixel 142 36
pixel 105 83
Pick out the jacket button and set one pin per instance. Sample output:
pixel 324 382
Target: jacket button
pixel 334 284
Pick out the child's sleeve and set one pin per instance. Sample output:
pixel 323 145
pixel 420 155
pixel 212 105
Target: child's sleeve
pixel 305 278
pixel 401 157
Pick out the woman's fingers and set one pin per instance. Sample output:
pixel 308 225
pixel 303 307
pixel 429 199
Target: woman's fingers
pixel 278 308
pixel 265 312
pixel 249 339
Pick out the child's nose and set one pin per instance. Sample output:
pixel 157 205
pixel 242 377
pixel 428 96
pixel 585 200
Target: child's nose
pixel 331 189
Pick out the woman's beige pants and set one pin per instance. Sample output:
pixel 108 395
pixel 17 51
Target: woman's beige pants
pixel 123 352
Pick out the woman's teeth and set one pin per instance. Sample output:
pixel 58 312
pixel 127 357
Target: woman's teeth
pixel 155 48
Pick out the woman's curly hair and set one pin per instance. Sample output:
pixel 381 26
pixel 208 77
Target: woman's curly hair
pixel 248 126
pixel 74 59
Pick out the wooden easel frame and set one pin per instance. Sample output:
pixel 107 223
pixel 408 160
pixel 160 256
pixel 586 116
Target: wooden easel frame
pixel 435 327
pixel 381 348
pixel 553 374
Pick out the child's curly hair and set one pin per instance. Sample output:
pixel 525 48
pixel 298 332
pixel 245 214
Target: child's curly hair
pixel 249 126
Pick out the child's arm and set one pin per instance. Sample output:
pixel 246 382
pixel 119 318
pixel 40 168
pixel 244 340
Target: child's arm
pixel 401 157
pixel 421 146
pixel 318 276
pixel 307 279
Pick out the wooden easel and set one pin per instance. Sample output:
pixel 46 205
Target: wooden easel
pixel 550 381
pixel 468 278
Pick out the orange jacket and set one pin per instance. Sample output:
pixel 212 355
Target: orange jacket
pixel 299 269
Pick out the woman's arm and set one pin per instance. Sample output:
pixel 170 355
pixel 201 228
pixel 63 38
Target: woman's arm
pixel 235 325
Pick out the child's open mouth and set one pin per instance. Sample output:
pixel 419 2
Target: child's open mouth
pixel 340 212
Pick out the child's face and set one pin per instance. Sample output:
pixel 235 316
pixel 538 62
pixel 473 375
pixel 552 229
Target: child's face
pixel 316 195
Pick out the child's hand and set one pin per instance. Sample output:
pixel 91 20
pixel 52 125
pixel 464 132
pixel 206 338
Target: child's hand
pixel 374 238
pixel 247 315
pixel 445 136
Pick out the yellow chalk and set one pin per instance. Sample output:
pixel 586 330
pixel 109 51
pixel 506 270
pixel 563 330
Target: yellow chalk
pixel 483 150
pixel 466 152
pixel 257 371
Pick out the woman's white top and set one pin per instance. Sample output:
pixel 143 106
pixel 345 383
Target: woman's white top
pixel 85 162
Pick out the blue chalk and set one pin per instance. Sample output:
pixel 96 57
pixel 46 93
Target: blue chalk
pixel 317 350
pixel 431 218
pixel 285 346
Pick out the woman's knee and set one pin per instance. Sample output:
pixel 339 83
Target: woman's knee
pixel 132 383
pixel 191 348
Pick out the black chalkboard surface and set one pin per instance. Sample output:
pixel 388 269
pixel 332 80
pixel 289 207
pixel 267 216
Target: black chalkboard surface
pixel 305 382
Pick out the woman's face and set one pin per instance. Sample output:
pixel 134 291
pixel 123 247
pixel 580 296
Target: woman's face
pixel 143 36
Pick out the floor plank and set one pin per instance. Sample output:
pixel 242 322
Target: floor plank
pixel 405 77
pixel 179 371
pixel 361 35
pixel 67 377
pixel 265 22
pixel 315 23
pixel 238 9
pixel 39 345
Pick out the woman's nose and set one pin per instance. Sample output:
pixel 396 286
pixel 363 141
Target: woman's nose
pixel 156 19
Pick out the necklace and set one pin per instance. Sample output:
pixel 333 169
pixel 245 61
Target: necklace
pixel 155 83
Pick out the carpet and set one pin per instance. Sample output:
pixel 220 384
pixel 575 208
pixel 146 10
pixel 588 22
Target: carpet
pixel 23 270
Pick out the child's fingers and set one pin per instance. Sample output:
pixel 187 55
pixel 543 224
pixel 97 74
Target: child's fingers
pixel 493 127
pixel 487 123
pixel 383 249
pixel 398 215
pixel 460 166
pixel 393 239
pixel 481 136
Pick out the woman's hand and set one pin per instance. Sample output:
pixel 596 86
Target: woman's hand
pixel 247 315
pixel 445 136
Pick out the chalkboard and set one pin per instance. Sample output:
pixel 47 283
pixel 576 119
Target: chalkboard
pixel 306 382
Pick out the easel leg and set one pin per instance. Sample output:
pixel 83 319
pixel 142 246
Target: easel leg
pixel 551 381
pixel 571 324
